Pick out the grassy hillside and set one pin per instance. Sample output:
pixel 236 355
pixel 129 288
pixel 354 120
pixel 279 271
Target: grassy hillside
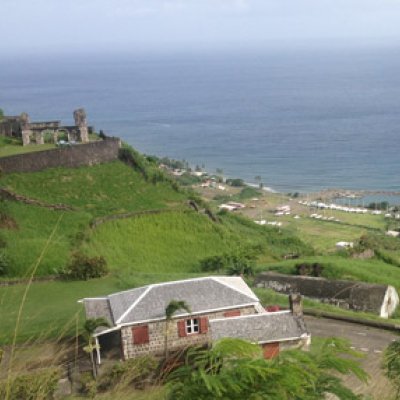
pixel 34 226
pixel 95 191
pixel 177 241
pixel 144 248
pixel 100 190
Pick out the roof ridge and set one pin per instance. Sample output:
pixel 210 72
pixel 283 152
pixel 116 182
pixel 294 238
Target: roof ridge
pixel 127 290
pixel 134 304
pixel 215 278
pixel 161 284
pixel 258 315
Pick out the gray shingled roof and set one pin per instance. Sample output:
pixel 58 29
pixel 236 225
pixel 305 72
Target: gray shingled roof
pixel 100 307
pixel 121 301
pixel 149 302
pixel 260 328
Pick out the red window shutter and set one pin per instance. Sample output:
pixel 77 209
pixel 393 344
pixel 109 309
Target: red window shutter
pixel 204 325
pixel 273 308
pixel 270 350
pixel 140 334
pixel 182 328
pixel 233 313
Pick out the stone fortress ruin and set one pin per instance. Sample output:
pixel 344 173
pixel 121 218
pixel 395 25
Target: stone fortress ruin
pixel 34 132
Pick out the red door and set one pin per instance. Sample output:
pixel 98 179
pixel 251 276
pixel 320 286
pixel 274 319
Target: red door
pixel 270 350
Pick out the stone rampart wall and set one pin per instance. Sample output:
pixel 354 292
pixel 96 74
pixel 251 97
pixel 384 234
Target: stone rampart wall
pixel 74 156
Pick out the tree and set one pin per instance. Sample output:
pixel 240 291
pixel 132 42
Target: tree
pixel 236 182
pixel 172 307
pixel 391 365
pixel 243 261
pixel 235 369
pixel 213 263
pixel 1 114
pixel 90 327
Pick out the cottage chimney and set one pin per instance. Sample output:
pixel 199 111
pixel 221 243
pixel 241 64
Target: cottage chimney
pixel 296 304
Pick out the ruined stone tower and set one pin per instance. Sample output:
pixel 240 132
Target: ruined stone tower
pixel 80 122
pixel 25 128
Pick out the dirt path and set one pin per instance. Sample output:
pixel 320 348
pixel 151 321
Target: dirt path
pixel 369 341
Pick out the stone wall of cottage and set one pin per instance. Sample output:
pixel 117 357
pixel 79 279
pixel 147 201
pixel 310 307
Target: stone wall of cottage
pixel 302 343
pixel 156 345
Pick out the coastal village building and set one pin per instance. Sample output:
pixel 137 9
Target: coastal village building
pixel 33 132
pixel 359 296
pixel 220 307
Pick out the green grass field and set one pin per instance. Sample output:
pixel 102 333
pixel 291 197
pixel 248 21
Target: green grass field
pixel 35 224
pixel 11 147
pixel 177 241
pixel 100 190
pixel 93 191
pixel 323 235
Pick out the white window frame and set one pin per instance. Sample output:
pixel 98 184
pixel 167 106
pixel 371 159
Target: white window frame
pixel 192 325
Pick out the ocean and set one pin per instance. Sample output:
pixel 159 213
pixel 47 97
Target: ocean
pixel 303 119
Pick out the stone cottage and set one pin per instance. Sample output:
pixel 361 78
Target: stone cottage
pixel 358 296
pixel 220 307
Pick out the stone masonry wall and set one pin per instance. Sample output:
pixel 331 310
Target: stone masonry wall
pixel 156 345
pixel 74 156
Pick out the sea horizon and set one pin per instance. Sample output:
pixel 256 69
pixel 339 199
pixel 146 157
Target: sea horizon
pixel 303 119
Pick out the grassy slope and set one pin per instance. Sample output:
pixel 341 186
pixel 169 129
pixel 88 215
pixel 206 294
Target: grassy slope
pixel 35 225
pixel 142 249
pixel 175 242
pixel 101 189
pixel 169 242
pixel 92 191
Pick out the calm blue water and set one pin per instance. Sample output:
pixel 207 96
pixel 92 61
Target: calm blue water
pixel 303 119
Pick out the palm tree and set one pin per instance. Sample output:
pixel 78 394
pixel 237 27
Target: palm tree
pixel 90 327
pixel 391 365
pixel 172 307
pixel 258 179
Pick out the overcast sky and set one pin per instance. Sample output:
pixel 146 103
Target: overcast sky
pixel 69 25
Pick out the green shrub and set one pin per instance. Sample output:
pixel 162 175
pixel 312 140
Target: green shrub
pixel 187 180
pixel 241 266
pixel 309 269
pixel 214 263
pixel 145 166
pixel 4 263
pixel 39 385
pixel 83 267
pixel 131 157
pixel 236 182
pixel 132 372
pixel 88 385
pixel 248 192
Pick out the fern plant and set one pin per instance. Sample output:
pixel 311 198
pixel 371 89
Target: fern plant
pixel 234 369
